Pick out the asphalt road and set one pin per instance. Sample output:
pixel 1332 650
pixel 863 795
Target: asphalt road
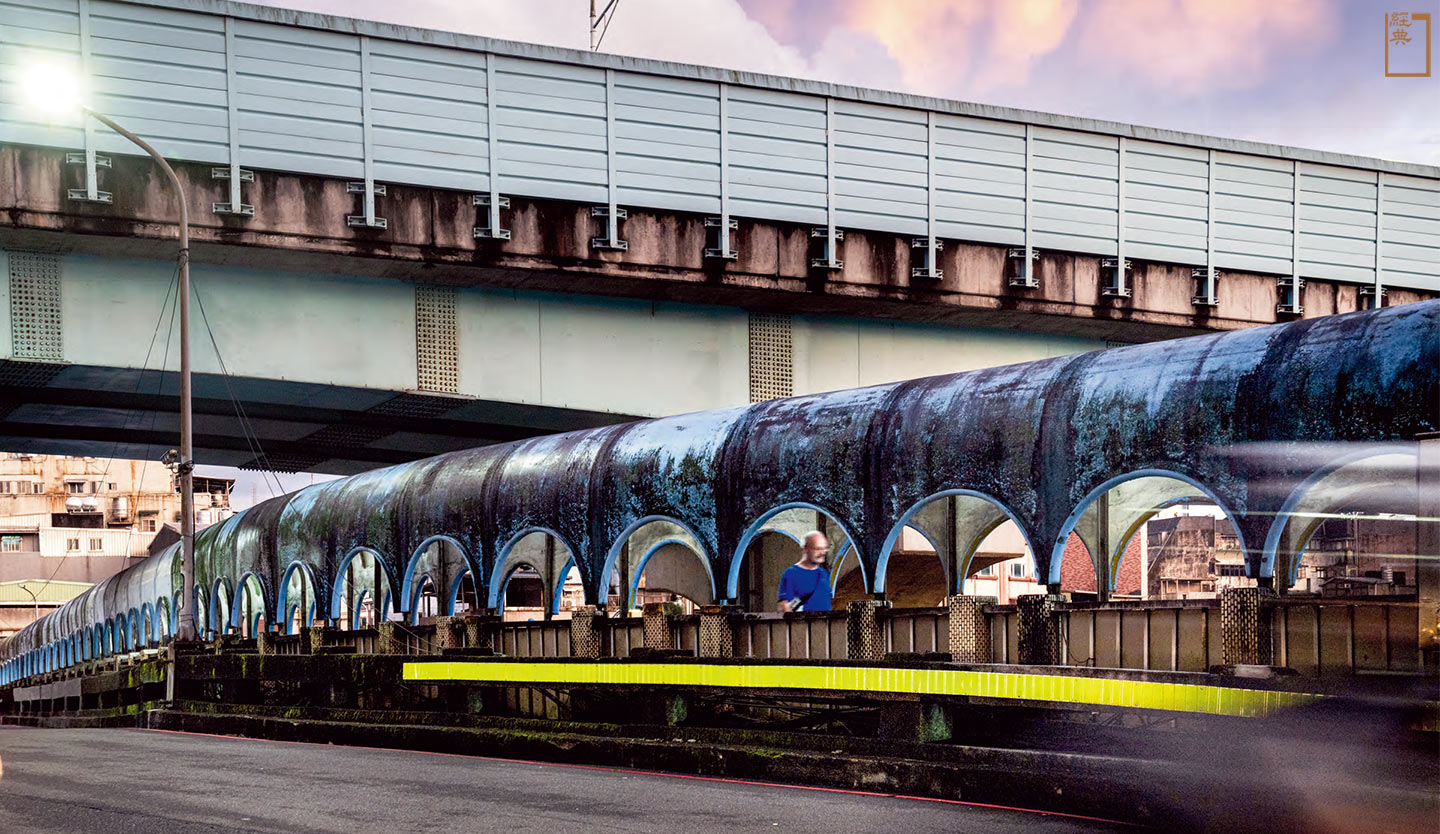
pixel 122 781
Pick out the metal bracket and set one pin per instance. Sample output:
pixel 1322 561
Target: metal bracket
pixel 494 231
pixel 1206 279
pixel 1117 283
pixel 1367 297
pixel 1021 274
pixel 829 249
pixel 1290 287
pixel 78 158
pixel 360 220
pixel 246 175
pixel 613 240
pixel 241 210
pixel 721 250
pixel 81 195
pixel 929 271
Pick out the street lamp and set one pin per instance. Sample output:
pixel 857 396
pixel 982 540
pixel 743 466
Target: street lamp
pixel 56 90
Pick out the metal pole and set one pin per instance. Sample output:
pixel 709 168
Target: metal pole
pixel 185 630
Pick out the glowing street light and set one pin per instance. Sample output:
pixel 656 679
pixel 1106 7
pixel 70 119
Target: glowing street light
pixel 56 91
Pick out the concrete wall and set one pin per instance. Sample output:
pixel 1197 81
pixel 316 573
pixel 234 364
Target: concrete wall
pixel 572 351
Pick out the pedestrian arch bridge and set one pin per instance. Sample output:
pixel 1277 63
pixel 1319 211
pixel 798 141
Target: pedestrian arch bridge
pixel 1276 425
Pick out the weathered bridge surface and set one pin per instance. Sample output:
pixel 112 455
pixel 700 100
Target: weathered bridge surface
pixel 348 146
pixel 1273 424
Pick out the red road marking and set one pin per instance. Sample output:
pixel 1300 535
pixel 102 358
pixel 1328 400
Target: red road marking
pixel 722 779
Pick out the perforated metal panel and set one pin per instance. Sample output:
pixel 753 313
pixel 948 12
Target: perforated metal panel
pixel 864 633
pixel 35 315
pixel 1245 626
pixel 587 638
pixel 969 630
pixel 717 632
pixel 657 631
pixel 772 357
pixel 437 353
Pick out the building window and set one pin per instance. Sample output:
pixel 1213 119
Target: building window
pixel 5 487
pixel 97 545
pixel 1017 569
pixel 147 525
pixel 74 487
pixel 110 487
pixel 37 488
pixel 9 544
pixel 72 545
pixel 988 570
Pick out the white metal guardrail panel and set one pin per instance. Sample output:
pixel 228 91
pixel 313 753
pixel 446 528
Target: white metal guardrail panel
pixel 1075 192
pixel 429 116
pixel 160 73
pixel 36 32
pixel 667 143
pixel 209 80
pixel 551 129
pixel 881 155
pixel 298 98
pixel 777 155
pixel 1410 251
pixel 1254 209
pixel 979 179
pixel 1166 199
pixel 1337 223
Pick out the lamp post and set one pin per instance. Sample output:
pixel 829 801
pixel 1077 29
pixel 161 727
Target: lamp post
pixel 53 89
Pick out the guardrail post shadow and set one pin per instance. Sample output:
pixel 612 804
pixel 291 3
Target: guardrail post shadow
pixel 969 630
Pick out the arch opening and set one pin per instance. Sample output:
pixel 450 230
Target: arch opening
pixel 441 560
pixel 247 614
pixel 772 544
pixel 297 598
pixel 657 560
pixel 952 543
pixel 1353 529
pixel 534 573
pixel 361 595
pixel 1152 534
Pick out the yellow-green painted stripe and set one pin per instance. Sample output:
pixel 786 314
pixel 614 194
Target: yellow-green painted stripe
pixel 1181 697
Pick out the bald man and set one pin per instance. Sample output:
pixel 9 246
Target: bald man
pixel 805 585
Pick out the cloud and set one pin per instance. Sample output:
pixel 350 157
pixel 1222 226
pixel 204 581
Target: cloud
pixel 1194 47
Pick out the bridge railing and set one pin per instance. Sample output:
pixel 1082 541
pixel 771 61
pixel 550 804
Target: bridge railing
pixel 1313 636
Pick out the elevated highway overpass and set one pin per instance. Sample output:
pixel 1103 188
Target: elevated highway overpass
pixel 412 241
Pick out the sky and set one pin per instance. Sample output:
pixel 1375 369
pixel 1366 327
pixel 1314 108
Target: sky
pixel 1308 73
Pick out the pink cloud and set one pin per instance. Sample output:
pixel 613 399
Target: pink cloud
pixel 973 47
pixel 1202 46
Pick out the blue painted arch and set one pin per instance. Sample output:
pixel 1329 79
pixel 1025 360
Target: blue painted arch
pixel 1057 550
pixel 737 559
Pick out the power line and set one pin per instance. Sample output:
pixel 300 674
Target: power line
pixel 605 16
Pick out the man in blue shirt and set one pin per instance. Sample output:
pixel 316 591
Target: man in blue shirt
pixel 805 585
